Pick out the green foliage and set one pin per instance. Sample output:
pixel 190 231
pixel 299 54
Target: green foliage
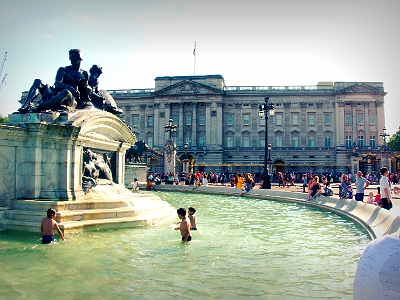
pixel 3 119
pixel 394 142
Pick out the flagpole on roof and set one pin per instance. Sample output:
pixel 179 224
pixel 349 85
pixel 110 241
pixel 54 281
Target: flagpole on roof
pixel 194 54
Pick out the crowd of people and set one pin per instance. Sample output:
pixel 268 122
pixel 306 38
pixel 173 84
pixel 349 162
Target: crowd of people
pixel 316 184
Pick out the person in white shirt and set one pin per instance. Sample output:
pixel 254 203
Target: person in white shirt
pixel 135 186
pixel 384 184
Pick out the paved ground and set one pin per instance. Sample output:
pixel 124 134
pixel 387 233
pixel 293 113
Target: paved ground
pixel 298 188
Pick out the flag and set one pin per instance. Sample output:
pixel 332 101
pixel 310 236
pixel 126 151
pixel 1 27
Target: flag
pixel 194 50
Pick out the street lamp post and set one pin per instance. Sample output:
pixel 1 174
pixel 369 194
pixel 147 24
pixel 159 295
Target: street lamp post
pixel 384 135
pixel 170 148
pixel 269 160
pixel 385 151
pixel 171 127
pixel 186 160
pixel 264 109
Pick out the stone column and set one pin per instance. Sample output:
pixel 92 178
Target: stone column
pixel 127 112
pixel 120 163
pixel 157 124
pixel 142 123
pixel 194 125
pixel 238 124
pixel 219 125
pixel 354 127
pixel 181 123
pixel 169 156
pixel 340 120
pixel 208 124
pixel 367 130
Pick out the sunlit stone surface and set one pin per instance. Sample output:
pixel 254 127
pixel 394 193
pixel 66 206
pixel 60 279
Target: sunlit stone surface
pixel 378 271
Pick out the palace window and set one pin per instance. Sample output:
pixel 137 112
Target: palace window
pixel 348 141
pixel 229 141
pixel 372 142
pixel 360 118
pixel 311 141
pixel 246 141
pixel 360 140
pixel 348 118
pixel 311 119
pixel 175 118
pixel 188 119
pixel 278 119
pixel 229 119
pixel 371 119
pixel 327 119
pixel 246 119
pixel 327 141
pixel 278 141
pixel 295 119
pixel 202 119
pixel 150 121
pixel 262 141
pixel 150 141
pixel 135 121
pixel 202 141
pixel 295 141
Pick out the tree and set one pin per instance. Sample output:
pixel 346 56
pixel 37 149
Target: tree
pixel 3 119
pixel 394 142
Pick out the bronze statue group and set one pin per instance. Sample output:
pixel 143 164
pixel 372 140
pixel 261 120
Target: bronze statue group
pixel 73 89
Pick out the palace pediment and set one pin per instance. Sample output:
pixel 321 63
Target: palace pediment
pixel 361 88
pixel 188 88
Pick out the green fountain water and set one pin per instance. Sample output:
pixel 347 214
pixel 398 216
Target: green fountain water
pixel 244 248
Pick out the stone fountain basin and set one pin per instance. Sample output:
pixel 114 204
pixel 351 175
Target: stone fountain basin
pixel 125 210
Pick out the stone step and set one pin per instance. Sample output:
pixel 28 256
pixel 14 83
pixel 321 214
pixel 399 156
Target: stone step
pixel 75 216
pixel 27 216
pixel 80 215
pixel 44 205
pixel 138 221
pixel 92 224
pixel 21 225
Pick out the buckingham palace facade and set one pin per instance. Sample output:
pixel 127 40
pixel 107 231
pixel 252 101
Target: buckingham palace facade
pixel 314 129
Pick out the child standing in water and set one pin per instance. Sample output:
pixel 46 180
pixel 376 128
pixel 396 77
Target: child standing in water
pixel 192 218
pixel 184 226
pixel 47 226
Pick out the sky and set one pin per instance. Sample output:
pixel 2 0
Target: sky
pixel 249 43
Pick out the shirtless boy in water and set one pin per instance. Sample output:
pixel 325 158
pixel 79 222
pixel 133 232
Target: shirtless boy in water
pixel 192 218
pixel 184 226
pixel 47 226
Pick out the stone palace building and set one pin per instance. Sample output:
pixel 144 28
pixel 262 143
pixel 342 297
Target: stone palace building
pixel 317 128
